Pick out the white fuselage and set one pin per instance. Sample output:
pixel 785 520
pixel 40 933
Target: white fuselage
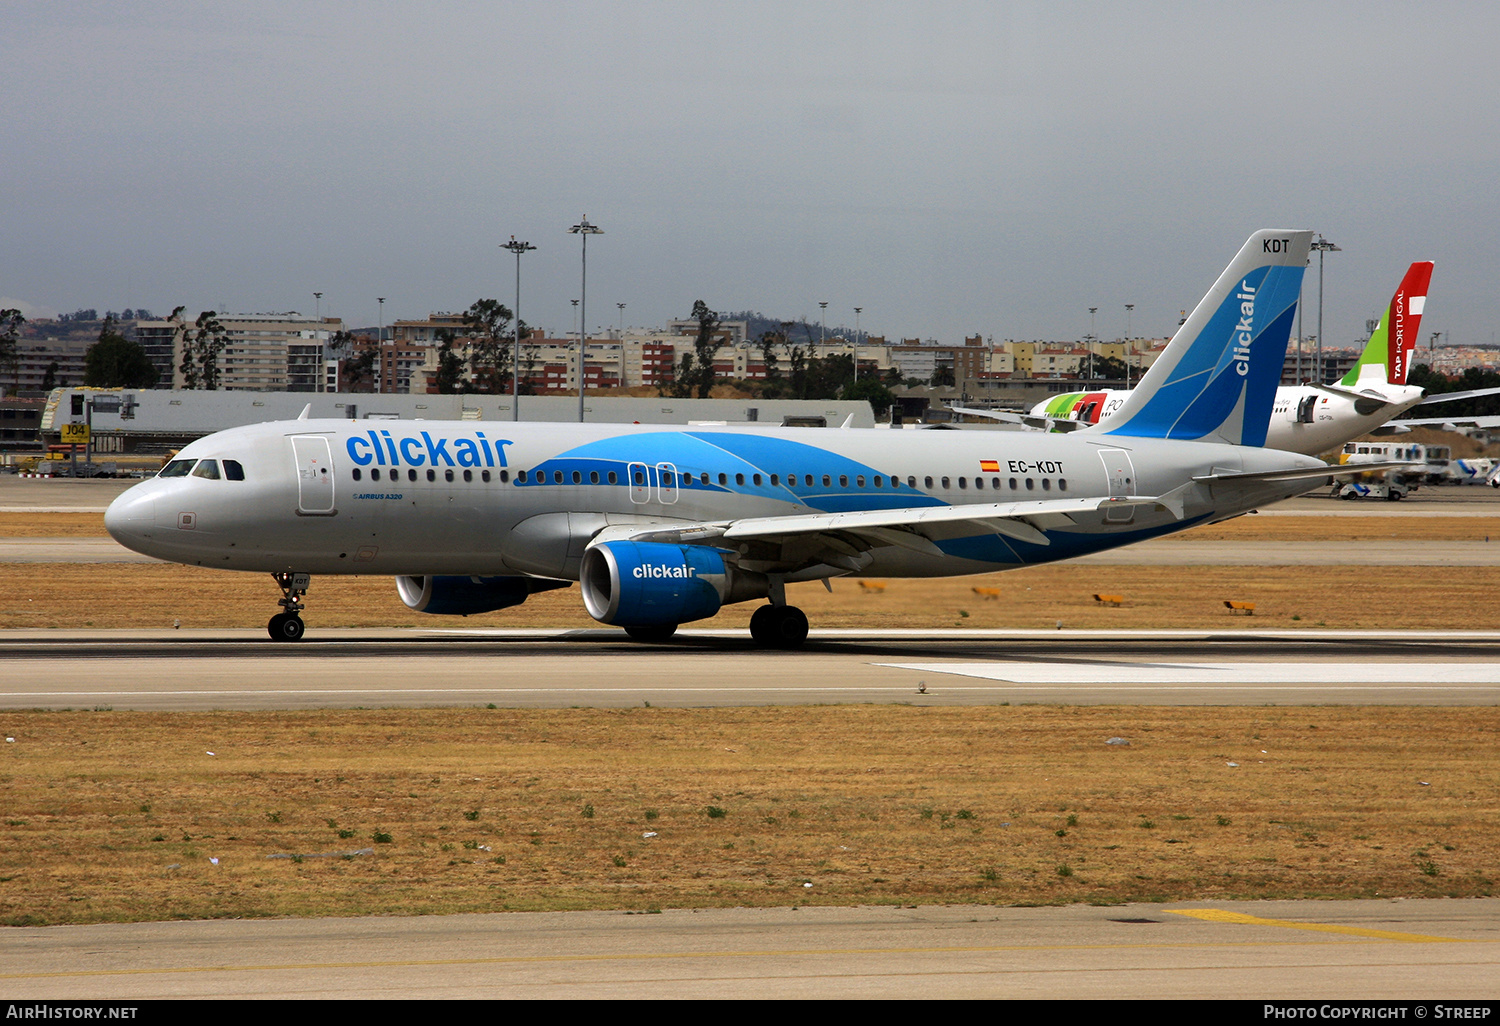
pixel 485 498
pixel 1304 418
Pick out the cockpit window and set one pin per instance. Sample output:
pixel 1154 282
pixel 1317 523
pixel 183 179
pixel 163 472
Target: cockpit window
pixel 234 470
pixel 177 468
pixel 208 469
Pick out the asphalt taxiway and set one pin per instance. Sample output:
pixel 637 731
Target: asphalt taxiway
pixel 1411 951
pixel 242 669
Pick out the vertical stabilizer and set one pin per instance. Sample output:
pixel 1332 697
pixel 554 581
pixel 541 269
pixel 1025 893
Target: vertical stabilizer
pixel 1392 343
pixel 1217 378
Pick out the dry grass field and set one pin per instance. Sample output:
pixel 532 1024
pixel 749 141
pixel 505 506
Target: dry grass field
pixel 118 816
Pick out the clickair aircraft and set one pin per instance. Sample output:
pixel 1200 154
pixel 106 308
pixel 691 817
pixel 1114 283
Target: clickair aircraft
pixel 663 527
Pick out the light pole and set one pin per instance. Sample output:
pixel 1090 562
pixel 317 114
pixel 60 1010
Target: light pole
pixel 1128 308
pixel 823 324
pixel 515 367
pixel 318 297
pixel 1092 340
pixel 379 345
pixel 857 309
pixel 622 319
pixel 1322 245
pixel 585 229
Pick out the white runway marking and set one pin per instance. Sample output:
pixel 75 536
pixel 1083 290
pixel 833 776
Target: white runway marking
pixel 1425 676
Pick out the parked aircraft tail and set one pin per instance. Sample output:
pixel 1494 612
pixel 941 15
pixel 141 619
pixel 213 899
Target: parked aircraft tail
pixel 1391 345
pixel 1217 378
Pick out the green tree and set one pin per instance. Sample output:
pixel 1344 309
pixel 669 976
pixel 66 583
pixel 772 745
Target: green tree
pixel 10 354
pixel 115 361
pixel 488 326
pixel 1108 368
pixel 450 372
pixel 200 346
pixel 871 390
pixel 359 369
pixel 695 373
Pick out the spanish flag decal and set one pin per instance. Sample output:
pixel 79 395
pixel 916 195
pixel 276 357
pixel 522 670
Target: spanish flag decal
pixel 989 466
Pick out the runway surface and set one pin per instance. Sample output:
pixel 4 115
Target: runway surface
pixel 1354 950
pixel 241 669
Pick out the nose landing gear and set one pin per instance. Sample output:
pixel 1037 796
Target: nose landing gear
pixel 288 626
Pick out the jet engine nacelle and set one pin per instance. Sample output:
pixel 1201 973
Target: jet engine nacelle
pixel 460 596
pixel 649 584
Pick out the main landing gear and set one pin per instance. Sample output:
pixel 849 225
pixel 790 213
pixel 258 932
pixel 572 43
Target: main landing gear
pixel 776 626
pixel 288 626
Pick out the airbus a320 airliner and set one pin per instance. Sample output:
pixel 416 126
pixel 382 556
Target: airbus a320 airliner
pixel 664 527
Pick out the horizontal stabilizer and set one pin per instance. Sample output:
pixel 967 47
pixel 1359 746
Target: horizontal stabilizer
pixel 1313 473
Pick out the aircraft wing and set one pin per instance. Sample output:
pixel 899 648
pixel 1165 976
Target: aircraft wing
pixel 1450 422
pixel 1029 420
pixel 1452 397
pixel 836 536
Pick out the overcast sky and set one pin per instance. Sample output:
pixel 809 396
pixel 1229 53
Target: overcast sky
pixel 950 167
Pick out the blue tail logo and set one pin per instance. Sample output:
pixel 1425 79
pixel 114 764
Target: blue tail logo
pixel 1216 380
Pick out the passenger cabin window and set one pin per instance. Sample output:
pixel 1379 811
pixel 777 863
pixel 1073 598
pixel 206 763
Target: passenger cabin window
pixel 177 468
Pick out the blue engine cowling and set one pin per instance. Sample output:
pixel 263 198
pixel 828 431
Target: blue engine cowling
pixel 648 584
pixel 460 596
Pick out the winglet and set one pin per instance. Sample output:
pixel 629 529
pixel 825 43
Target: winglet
pixel 306 412
pixel 1390 346
pixel 1217 378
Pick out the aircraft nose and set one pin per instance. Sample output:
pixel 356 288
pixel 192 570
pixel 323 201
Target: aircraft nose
pixel 131 519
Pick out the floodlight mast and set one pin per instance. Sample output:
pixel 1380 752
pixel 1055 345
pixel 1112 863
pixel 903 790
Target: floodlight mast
pixel 584 229
pixel 515 367
pixel 1321 245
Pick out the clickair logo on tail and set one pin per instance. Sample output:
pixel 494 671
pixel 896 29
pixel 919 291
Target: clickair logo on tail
pixel 1246 330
